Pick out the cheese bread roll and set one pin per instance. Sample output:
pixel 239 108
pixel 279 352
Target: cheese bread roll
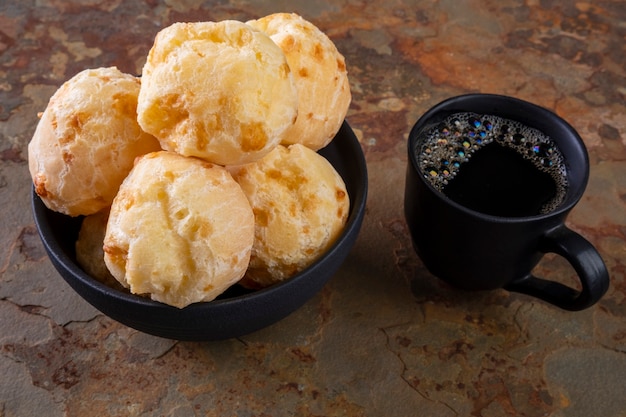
pixel 320 75
pixel 300 205
pixel 89 253
pixel 221 91
pixel 86 141
pixel 180 230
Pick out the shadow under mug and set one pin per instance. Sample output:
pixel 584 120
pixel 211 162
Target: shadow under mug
pixel 476 251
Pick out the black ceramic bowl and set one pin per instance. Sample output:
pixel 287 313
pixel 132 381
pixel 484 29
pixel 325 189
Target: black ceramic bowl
pixel 237 311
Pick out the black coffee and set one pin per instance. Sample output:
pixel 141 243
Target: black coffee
pixel 493 165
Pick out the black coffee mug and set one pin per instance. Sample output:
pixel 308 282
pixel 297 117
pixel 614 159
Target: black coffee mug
pixel 477 250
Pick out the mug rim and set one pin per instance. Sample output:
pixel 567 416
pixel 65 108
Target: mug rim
pixel 573 194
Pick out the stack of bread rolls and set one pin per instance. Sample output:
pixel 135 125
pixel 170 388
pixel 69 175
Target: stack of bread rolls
pixel 203 172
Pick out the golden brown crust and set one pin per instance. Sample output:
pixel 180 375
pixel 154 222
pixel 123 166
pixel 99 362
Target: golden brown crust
pixel 320 76
pixel 221 91
pixel 180 230
pixel 86 141
pixel 300 205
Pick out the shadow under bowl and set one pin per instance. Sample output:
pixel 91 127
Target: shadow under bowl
pixel 237 311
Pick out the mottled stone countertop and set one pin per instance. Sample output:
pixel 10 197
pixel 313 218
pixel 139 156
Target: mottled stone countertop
pixel 383 337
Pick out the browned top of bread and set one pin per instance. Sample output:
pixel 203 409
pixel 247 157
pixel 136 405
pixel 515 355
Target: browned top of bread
pixel 221 91
pixel 87 140
pixel 319 73
pixel 180 230
pixel 300 205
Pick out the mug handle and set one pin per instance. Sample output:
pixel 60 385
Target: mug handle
pixel 587 263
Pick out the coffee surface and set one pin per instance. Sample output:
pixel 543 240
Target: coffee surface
pixel 493 165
